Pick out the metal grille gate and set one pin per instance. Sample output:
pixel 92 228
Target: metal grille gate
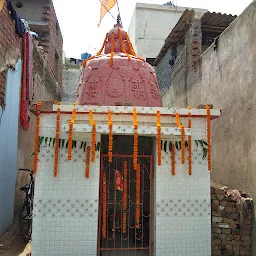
pixel 135 241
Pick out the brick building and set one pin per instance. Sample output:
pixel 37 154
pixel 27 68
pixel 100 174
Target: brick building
pixel 17 144
pixel 42 19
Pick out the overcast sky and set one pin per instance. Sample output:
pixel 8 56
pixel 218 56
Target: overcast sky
pixel 79 19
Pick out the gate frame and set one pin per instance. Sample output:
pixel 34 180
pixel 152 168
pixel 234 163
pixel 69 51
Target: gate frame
pixel 151 229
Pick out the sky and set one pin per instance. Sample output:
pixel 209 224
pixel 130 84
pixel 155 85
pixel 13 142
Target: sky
pixel 79 19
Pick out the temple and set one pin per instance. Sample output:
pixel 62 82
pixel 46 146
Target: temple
pixel 118 174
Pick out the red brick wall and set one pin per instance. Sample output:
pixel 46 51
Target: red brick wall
pixel 231 224
pixel 10 43
pixel 55 43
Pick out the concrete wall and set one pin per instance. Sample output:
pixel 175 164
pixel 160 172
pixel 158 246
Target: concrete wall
pixel 28 5
pixel 70 84
pixel 226 78
pixel 153 23
pixel 9 141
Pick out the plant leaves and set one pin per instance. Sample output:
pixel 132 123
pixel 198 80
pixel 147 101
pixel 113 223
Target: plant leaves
pixel 177 145
pixel 201 143
pixel 63 143
pixel 46 139
pixel 165 146
pixel 53 143
pixel 205 143
pixel 205 151
pixel 196 143
pixel 59 143
pixel 161 145
pixel 170 146
pixel 180 145
pixel 186 144
pixel 85 145
pixel 67 144
pixel 81 146
pixel 98 146
pixel 41 140
pixel 50 142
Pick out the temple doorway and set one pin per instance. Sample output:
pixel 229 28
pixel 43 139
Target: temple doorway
pixel 125 215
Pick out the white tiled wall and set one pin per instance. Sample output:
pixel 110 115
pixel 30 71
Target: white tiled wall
pixel 65 217
pixel 182 205
pixel 66 207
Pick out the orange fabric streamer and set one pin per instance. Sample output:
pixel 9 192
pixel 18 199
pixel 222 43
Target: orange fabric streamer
pixel 70 132
pixel 56 152
pixel 104 206
pixel 125 197
pixel 159 138
pixel 112 49
pixel 36 151
pixel 189 144
pixel 87 161
pixel 110 137
pixel 135 140
pixel 208 110
pixel 138 197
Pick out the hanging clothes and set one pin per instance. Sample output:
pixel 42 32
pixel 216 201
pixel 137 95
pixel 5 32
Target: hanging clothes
pixel 27 83
pixel 18 22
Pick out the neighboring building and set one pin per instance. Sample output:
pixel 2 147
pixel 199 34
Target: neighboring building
pixel 42 19
pixel 150 25
pixel 190 37
pixel 71 74
pixel 224 75
pixel 16 143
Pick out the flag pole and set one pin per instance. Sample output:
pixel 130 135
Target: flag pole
pixel 119 11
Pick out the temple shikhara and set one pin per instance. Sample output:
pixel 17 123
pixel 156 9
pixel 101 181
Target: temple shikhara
pixel 116 173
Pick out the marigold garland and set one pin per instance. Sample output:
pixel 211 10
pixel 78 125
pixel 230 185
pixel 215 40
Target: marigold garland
pixel 135 140
pixel 112 49
pixel 182 128
pixel 110 137
pixel 130 44
pixel 93 141
pixel 124 222
pixel 70 132
pixel 158 127
pixel 98 53
pixel 93 124
pixel 137 197
pixel 209 137
pixel 189 144
pixel 87 162
pixel 173 160
pixel 122 44
pixel 36 151
pixel 104 206
pixel 56 152
pixel 125 197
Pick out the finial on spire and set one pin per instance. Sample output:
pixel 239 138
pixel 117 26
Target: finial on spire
pixel 119 19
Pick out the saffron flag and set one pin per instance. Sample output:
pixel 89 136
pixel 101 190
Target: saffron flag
pixel 1 5
pixel 119 184
pixel 106 5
